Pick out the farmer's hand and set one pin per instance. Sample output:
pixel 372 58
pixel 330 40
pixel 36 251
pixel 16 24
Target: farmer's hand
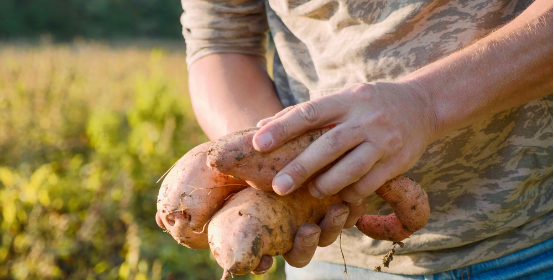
pixel 381 129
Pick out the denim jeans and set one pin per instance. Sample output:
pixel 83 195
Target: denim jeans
pixel 532 263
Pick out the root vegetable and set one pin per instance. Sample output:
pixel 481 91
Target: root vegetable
pixel 411 211
pixel 234 154
pixel 190 195
pixel 238 233
pixel 254 223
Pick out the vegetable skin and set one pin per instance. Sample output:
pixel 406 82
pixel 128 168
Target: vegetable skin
pixel 235 155
pixel 410 204
pixel 254 223
pixel 189 196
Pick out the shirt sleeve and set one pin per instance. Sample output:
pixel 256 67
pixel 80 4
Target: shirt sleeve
pixel 224 26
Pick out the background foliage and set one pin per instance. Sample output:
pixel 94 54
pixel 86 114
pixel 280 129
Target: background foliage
pixel 86 130
pixel 65 19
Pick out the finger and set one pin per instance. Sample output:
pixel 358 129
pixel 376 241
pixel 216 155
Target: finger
pixel 333 223
pixel 280 113
pixel 265 264
pixel 305 243
pixel 369 183
pixel 284 111
pixel 303 117
pixel 347 171
pixel 264 121
pixel 319 154
pixel 357 209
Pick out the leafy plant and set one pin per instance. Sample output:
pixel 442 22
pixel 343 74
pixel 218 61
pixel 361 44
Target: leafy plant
pixel 85 133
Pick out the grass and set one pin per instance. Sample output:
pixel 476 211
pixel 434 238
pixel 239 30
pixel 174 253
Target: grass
pixel 86 129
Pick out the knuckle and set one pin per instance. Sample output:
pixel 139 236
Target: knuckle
pixel 352 88
pixel 360 86
pixel 298 171
pixel 320 187
pixel 395 140
pixel 355 171
pixel 334 219
pixel 309 112
pixel 334 141
pixel 360 90
pixel 381 117
pixel 279 129
pixel 359 190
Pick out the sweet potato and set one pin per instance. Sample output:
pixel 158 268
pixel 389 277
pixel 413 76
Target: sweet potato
pixel 190 195
pixel 254 223
pixel 234 154
pixel 239 233
pixel 411 211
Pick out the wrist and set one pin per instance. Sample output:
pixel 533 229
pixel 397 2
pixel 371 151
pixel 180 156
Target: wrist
pixel 496 73
pixel 422 97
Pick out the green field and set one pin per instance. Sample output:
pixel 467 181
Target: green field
pixel 86 130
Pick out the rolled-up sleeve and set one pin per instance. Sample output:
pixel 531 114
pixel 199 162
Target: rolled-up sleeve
pixel 218 26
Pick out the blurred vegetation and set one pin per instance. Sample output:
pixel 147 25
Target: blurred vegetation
pixel 65 19
pixel 86 130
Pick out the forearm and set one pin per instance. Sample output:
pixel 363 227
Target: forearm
pixel 230 92
pixel 508 68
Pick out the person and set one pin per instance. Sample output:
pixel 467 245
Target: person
pixel 455 94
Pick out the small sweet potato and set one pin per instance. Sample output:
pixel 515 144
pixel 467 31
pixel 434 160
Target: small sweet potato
pixel 190 195
pixel 411 211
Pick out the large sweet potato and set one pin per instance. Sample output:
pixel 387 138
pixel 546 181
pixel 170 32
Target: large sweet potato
pixel 190 195
pixel 255 223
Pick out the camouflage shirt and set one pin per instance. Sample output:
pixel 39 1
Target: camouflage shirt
pixel 489 184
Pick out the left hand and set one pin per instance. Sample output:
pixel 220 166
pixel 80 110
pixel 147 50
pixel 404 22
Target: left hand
pixel 381 130
pixel 310 236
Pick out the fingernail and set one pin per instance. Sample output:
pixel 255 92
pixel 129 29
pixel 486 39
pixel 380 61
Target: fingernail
pixel 313 191
pixel 282 184
pixel 257 272
pixel 311 239
pixel 341 219
pixel 263 141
